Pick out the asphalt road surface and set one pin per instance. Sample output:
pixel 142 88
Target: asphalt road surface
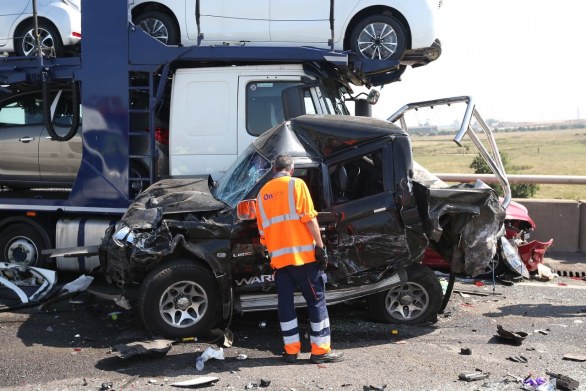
pixel 69 346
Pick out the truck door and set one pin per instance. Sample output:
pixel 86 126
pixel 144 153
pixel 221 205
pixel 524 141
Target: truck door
pixel 202 128
pixel 60 161
pixel 230 21
pixel 21 124
pixel 369 233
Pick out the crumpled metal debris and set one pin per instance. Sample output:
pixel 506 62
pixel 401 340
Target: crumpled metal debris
pixel 564 382
pixel 521 359
pixel 155 348
pixel 16 277
pixel 515 337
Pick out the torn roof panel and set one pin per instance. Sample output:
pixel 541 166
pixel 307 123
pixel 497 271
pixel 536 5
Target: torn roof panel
pixel 318 136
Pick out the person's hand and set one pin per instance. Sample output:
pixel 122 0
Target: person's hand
pixel 321 256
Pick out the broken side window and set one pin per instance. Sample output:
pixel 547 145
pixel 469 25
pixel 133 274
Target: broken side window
pixel 357 178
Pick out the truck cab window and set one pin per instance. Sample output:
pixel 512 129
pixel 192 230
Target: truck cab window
pixel 264 105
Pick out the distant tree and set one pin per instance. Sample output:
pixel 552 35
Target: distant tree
pixel 519 190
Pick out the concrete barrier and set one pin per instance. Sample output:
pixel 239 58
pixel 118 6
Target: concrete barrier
pixel 562 220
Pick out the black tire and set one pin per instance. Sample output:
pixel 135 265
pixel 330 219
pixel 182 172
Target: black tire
pixel 159 25
pixel 416 301
pixel 22 244
pixel 380 37
pixel 166 296
pixel 25 45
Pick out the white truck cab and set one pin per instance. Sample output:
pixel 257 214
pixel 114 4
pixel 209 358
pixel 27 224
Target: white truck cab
pixel 217 112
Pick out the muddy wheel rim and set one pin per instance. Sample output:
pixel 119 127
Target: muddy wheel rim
pixel 183 304
pixel 407 301
pixel 378 41
pixel 155 28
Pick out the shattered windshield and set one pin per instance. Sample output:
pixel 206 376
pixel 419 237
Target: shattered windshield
pixel 241 177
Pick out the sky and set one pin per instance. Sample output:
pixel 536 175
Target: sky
pixel 521 60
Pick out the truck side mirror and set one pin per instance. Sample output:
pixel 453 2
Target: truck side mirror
pixel 373 96
pixel 246 210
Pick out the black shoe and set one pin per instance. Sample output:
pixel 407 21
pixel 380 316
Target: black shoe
pixel 290 358
pixel 331 356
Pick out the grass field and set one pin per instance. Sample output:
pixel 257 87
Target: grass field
pixel 551 152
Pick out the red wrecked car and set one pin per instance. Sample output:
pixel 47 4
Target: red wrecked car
pixel 518 226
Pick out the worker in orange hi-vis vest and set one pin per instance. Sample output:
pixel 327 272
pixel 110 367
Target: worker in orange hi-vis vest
pixel 288 228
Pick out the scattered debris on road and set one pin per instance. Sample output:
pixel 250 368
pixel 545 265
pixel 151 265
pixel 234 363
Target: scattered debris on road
pixel 196 382
pixel 472 376
pixel 516 337
pixel 155 348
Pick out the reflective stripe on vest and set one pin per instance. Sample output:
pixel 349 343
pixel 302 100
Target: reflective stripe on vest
pixel 292 250
pixel 285 217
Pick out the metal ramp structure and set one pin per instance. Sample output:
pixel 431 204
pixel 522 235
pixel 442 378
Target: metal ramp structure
pixel 119 60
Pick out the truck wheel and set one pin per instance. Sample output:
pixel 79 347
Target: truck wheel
pixel 25 44
pixel 379 37
pixel 137 170
pixel 159 25
pixel 416 301
pixel 21 244
pixel 179 299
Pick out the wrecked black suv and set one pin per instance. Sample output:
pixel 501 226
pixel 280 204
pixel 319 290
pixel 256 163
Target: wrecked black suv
pixel 193 244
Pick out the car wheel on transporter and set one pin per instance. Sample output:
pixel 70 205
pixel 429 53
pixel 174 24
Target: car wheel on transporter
pixel 22 244
pixel 416 301
pixel 159 25
pixel 25 43
pixel 179 299
pixel 379 37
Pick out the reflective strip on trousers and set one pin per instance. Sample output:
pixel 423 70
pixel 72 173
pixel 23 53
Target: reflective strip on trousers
pixel 317 327
pixel 290 325
pixel 291 339
pixel 292 250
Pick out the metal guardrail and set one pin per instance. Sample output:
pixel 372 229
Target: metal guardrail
pixel 490 178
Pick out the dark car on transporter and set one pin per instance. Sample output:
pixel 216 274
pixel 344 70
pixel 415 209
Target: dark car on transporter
pixel 193 246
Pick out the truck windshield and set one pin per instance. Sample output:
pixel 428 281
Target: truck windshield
pixel 241 177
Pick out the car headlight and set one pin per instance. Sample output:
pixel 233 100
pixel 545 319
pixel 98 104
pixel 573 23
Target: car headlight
pixel 123 234
pixel 75 4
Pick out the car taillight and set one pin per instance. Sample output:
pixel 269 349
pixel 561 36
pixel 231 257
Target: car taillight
pixel 76 35
pixel 162 136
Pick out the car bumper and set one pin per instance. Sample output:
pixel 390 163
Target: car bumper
pixel 67 20
pixel 422 56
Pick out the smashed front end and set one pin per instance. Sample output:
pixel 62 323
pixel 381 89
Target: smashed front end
pixel 464 222
pixel 165 216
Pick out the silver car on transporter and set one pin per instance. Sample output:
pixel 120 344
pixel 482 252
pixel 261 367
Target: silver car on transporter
pixel 59 23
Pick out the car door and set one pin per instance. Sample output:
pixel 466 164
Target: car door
pixel 230 21
pixel 10 10
pixel 369 233
pixel 302 21
pixel 21 124
pixel 59 161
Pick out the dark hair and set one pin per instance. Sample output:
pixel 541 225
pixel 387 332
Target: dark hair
pixel 283 162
